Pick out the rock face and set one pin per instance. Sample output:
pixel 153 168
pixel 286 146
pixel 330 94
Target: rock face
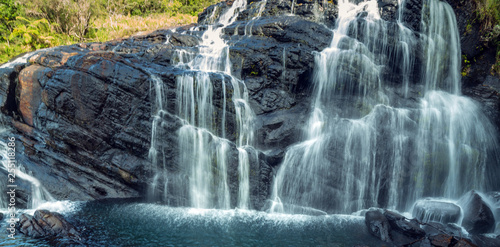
pixel 46 224
pixel 478 217
pixel 479 81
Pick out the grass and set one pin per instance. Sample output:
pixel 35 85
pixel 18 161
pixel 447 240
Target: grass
pixel 122 26
pixel 104 29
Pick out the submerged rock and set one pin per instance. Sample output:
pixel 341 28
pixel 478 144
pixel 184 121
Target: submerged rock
pixel 47 224
pixel 478 217
pixel 431 210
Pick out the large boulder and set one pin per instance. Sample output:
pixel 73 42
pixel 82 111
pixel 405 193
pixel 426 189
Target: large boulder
pixel 403 230
pixel 432 210
pixel 397 230
pixel 45 224
pixel 393 228
pixel 378 225
pixel 478 217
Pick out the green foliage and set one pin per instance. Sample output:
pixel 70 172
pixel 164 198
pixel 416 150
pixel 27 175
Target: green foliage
pixel 29 35
pixel 489 12
pixel 72 17
pixel 466 67
pixel 147 7
pixel 9 10
pixel 26 25
pixel 489 15
pixel 35 34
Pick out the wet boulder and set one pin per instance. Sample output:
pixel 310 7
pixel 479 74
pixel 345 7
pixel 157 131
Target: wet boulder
pixel 403 231
pixel 478 217
pixel 378 225
pixel 486 241
pixel 431 210
pixel 47 224
pixel 443 240
pixel 436 228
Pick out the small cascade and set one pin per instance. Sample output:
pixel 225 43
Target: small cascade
pixel 292 10
pixel 243 170
pixel 250 23
pixel 155 150
pixel 442 45
pixel 457 139
pixel 406 43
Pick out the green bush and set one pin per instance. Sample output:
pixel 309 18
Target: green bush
pixel 72 17
pixel 9 10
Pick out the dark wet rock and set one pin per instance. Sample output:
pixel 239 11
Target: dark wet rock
pixel 184 40
pixel 436 228
pixel 495 199
pixel 486 241
pixel 1 216
pixel 395 229
pixel 46 224
pixel 478 56
pixel 388 9
pixel 401 224
pixel 403 231
pixel 378 225
pixel 478 217
pixel 430 210
pixel 443 240
pixel 412 14
pixel 280 129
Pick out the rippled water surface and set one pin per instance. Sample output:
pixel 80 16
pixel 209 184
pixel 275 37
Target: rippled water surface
pixel 141 224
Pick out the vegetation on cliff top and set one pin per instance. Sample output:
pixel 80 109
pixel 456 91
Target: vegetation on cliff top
pixel 488 12
pixel 27 25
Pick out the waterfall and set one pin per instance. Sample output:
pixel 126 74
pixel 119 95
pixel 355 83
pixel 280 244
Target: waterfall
pixel 442 46
pixel 204 140
pixel 376 154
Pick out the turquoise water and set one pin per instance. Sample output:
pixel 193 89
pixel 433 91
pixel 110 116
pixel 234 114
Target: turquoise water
pixel 142 224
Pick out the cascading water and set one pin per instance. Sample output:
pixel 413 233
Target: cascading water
pixel 203 140
pixel 392 156
pixel 39 194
